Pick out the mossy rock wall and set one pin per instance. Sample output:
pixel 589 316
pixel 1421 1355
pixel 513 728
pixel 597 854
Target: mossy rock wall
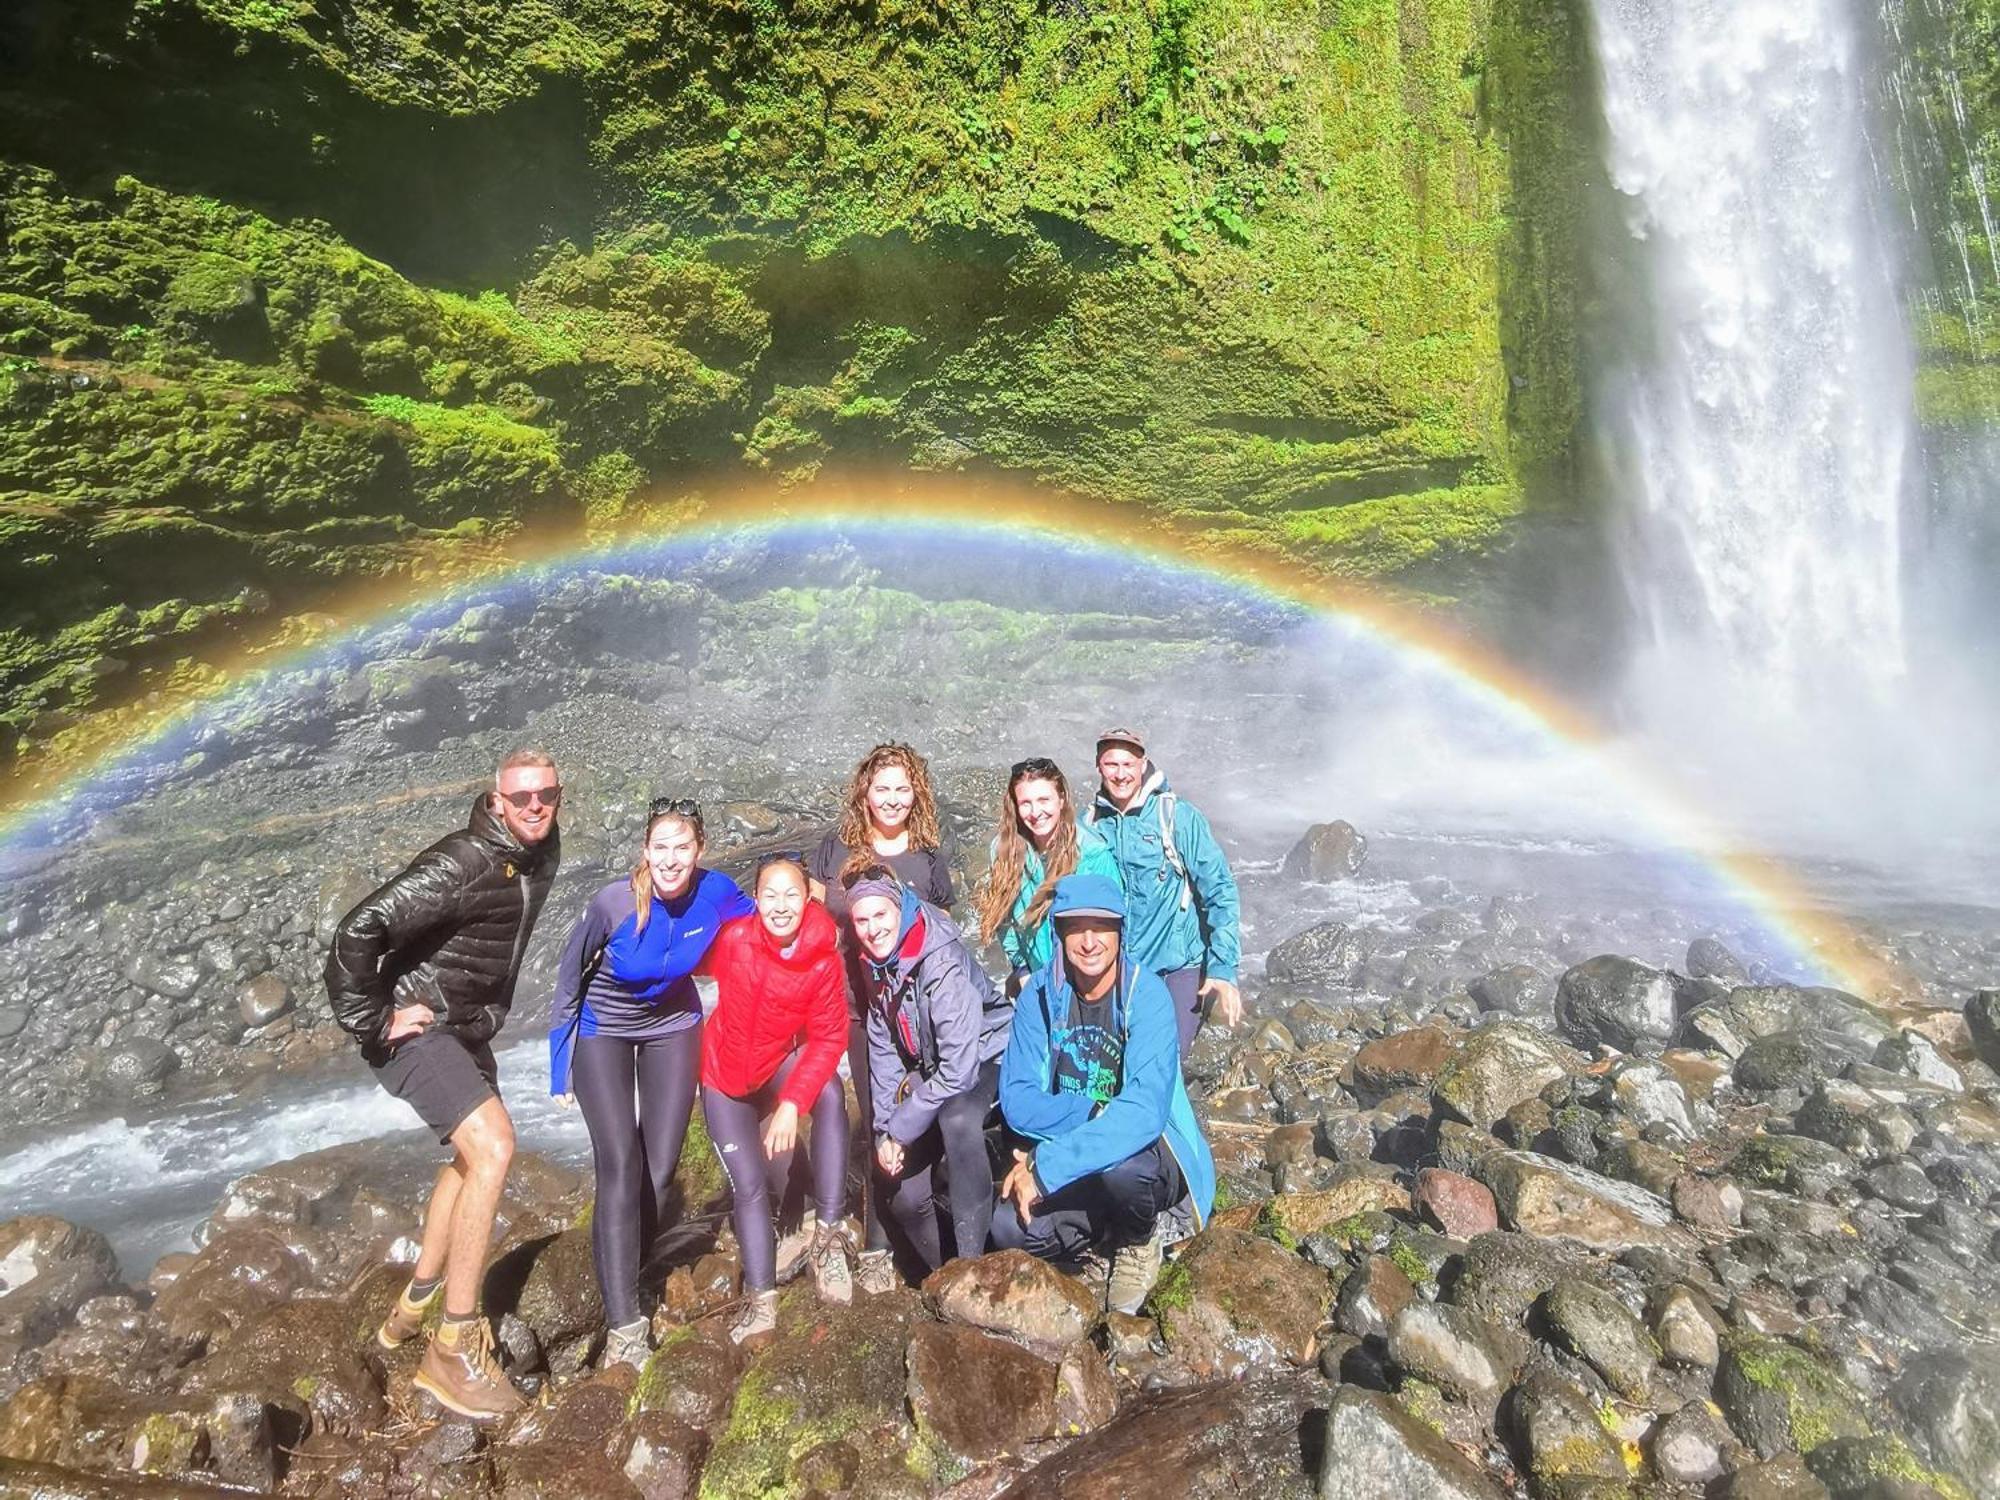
pixel 293 296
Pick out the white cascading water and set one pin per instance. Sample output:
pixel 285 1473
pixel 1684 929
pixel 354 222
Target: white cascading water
pixel 1763 425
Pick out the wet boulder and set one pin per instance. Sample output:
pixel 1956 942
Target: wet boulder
pixel 49 1268
pixel 550 1284
pixel 1515 990
pixel 1456 1351
pixel 1016 1294
pixel 1795 1164
pixel 1459 1205
pixel 1597 1328
pixel 1539 1195
pixel 1329 851
pixel 1615 1002
pixel 1328 956
pixel 1982 1023
pixel 1731 1024
pixel 264 998
pixel 1780 1399
pixel 1557 1437
pixel 1709 958
pixel 691 1377
pixel 235 1278
pixel 310 1353
pixel 1950 1404
pixel 1234 1301
pixel 1502 1064
pixel 1371 1446
pixel 138 1068
pixel 1401 1060
pixel 976 1395
pixel 1209 1442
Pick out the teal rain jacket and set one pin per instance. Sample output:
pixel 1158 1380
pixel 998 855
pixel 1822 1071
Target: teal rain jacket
pixel 1029 949
pixel 1172 922
pixel 1152 1099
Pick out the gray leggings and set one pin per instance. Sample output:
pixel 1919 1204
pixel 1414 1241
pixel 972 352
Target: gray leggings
pixel 757 1183
pixel 958 1138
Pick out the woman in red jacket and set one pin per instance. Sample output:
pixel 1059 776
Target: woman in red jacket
pixel 770 1051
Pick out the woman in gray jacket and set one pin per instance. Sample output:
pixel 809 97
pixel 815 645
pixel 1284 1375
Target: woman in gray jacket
pixel 936 1030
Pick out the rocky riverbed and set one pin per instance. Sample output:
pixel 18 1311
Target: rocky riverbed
pixel 1544 1172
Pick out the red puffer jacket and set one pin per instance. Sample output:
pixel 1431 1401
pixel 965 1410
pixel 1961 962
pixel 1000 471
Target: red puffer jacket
pixel 768 1003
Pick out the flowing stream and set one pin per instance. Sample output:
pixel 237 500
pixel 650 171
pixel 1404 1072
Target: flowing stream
pixel 1762 426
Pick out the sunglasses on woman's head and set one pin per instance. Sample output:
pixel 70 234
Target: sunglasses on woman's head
pixel 1037 765
pixel 781 857
pixel 680 807
pixel 547 796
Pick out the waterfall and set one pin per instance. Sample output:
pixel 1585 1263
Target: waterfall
pixel 1759 415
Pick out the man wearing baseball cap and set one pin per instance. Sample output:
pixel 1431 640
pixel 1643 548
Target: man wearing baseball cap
pixel 1182 913
pixel 1092 1079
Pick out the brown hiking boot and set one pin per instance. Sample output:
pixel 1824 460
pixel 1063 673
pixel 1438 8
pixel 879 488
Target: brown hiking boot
pixel 406 1318
pixel 460 1372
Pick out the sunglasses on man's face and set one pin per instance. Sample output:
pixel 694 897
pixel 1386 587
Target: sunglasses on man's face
pixel 680 807
pixel 547 796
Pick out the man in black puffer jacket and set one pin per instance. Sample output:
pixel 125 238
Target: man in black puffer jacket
pixel 421 974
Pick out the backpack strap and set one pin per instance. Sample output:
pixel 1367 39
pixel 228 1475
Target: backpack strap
pixel 1169 850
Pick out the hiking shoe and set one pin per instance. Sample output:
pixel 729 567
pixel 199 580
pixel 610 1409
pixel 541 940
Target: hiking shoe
pixel 406 1318
pixel 459 1370
pixel 629 1344
pixel 829 1262
pixel 877 1273
pixel 757 1324
pixel 794 1249
pixel 1134 1269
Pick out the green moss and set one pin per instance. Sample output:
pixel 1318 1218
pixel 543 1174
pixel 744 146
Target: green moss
pixel 1173 1290
pixel 1406 1259
pixel 765 1435
pixel 169 1441
pixel 1818 1405
pixel 1272 1226
pixel 655 1385
pixel 1891 1458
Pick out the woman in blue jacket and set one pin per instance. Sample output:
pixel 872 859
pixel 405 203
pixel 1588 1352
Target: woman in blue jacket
pixel 625 1043
pixel 1039 842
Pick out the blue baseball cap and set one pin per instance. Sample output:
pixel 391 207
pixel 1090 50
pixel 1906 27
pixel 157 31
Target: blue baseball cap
pixel 1088 896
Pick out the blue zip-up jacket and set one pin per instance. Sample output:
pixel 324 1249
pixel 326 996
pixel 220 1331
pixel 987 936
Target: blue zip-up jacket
pixel 1162 932
pixel 642 986
pixel 1151 1102
pixel 1029 949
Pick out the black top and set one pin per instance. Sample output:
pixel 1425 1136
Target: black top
pixel 1089 1053
pixel 925 871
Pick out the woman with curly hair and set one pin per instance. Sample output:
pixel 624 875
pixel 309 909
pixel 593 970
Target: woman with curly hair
pixel 1039 842
pixel 890 818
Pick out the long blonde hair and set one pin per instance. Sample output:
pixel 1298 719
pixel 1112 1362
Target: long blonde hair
pixel 1010 857
pixel 925 831
pixel 682 811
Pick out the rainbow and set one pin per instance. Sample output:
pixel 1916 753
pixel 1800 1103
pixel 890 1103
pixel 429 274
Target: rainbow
pixel 42 785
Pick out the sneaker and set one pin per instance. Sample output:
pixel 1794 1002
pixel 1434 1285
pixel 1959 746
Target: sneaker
pixel 628 1344
pixel 1134 1269
pixel 459 1370
pixel 406 1318
pixel 877 1272
pixel 757 1324
pixel 794 1248
pixel 829 1263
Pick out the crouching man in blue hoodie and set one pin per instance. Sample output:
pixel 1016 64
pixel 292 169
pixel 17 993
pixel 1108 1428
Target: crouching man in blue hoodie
pixel 1092 1077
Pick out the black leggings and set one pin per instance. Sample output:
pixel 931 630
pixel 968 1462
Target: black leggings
pixel 959 1138
pixel 736 1127
pixel 636 1098
pixel 873 1236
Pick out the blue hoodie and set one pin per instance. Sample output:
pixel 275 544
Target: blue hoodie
pixel 1163 932
pixel 1152 1099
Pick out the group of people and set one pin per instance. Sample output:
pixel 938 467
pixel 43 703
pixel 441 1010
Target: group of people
pixel 1119 924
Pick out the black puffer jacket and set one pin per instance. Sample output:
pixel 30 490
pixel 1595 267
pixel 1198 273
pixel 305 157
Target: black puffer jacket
pixel 448 932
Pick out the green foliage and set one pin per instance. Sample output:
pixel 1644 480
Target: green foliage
pixel 1173 1290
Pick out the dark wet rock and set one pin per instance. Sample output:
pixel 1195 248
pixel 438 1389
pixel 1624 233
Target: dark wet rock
pixel 1780 1399
pixel 1401 1060
pixel 310 1352
pixel 1878 1468
pixel 139 1068
pixel 1517 990
pixel 691 1377
pixel 1328 851
pixel 1950 1405
pixel 1902 1185
pixel 1708 958
pixel 1982 1023
pixel 1371 1297
pixel 263 999
pixel 176 976
pixel 1795 1059
pixel 1455 1350
pixel 1555 1432
pixel 976 1395
pixel 1013 1293
pixel 1846 1115
pixel 1687 1448
pixel 1234 1301
pixel 1457 1204
pixel 1542 1196
pixel 550 1284
pixel 1706 1203
pixel 1211 1442
pixel 1372 1446
pixel 1615 1002
pixel 1597 1327
pixel 1785 1477
pixel 49 1268
pixel 1652 1098
pixel 236 1277
pixel 1795 1164
pixel 665 1457
pixel 1915 1055
pixel 1751 1011
pixel 13 1020
pixel 1497 1067
pixel 1503 1274
pixel 1326 956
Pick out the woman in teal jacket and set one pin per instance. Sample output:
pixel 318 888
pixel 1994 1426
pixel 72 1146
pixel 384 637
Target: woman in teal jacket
pixel 1039 841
